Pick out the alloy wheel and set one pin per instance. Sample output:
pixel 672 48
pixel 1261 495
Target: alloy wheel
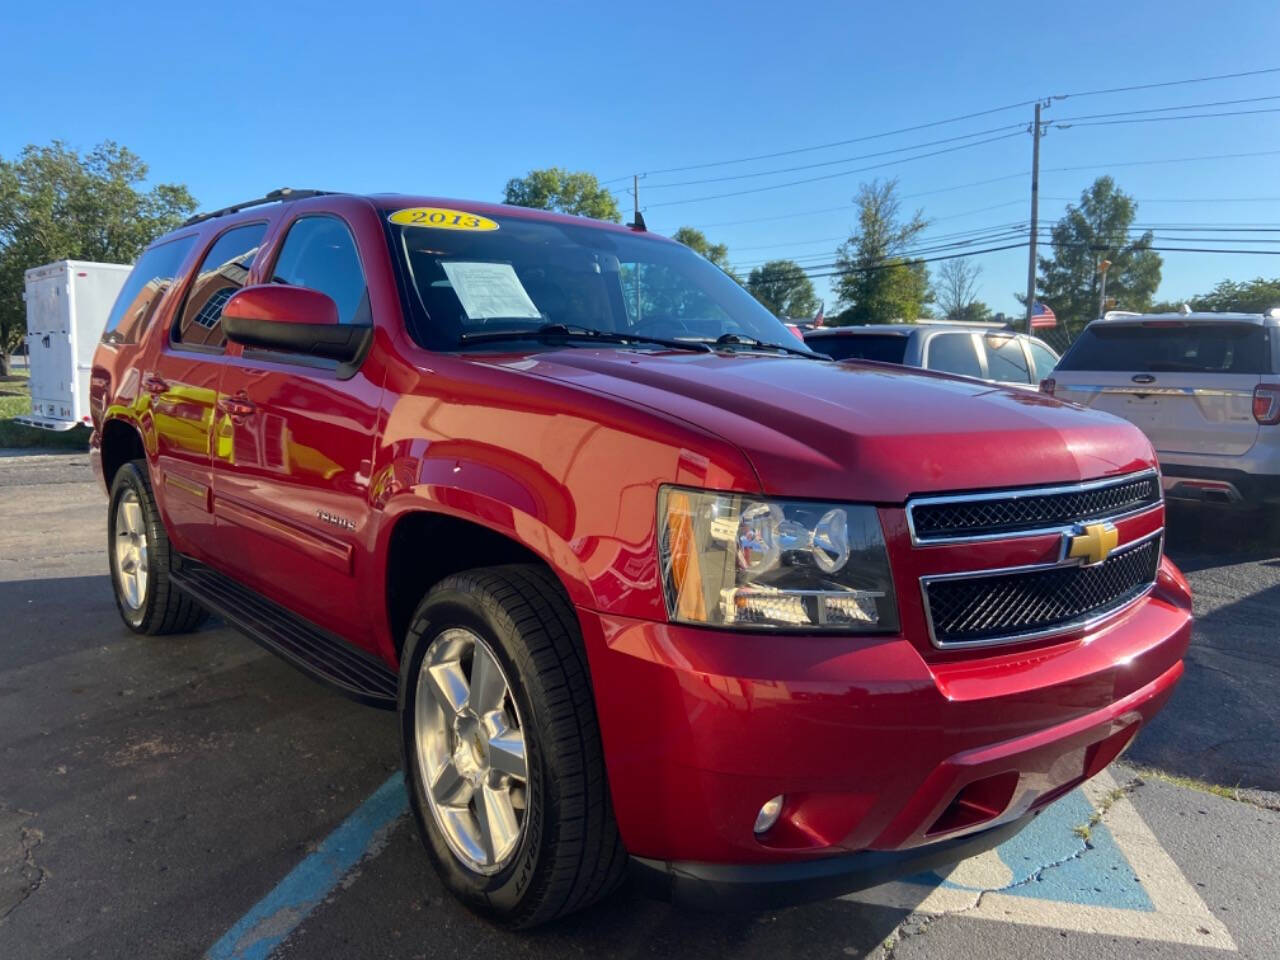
pixel 471 751
pixel 130 553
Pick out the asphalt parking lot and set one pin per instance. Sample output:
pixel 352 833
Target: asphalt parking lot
pixel 194 796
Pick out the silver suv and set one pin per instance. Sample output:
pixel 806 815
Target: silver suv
pixel 1204 387
pixel 986 352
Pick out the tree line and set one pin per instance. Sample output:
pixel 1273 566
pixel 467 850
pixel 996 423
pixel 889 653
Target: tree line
pixel 56 204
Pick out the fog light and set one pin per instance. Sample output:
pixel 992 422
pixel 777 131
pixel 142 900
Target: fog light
pixel 769 814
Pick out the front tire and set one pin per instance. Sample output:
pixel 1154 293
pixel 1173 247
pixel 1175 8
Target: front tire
pixel 139 553
pixel 502 750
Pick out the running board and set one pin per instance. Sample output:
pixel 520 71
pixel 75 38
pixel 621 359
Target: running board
pixel 313 650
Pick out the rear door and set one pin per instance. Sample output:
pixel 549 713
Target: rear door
pixel 1187 384
pixel 183 385
pixel 53 368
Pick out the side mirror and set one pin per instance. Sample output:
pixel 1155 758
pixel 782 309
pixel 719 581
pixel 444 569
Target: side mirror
pixel 274 316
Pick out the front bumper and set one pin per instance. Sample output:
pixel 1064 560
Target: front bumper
pixel 703 886
pixel 879 744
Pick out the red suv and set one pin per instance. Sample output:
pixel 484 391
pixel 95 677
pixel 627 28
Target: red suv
pixel 652 586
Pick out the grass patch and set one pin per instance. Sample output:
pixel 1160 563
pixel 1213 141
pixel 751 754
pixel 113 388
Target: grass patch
pixel 15 401
pixel 1193 783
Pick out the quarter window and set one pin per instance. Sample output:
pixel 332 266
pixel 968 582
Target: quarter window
pixel 1006 362
pixel 223 271
pixel 1043 358
pixel 143 291
pixel 320 253
pixel 954 353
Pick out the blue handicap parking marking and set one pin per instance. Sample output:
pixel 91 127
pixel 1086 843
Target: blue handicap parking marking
pixel 276 915
pixel 1089 863
pixel 1048 861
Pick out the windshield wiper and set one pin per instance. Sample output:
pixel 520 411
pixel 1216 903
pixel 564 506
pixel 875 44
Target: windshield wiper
pixel 563 331
pixel 753 343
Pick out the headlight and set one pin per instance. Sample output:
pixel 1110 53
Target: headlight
pixel 734 560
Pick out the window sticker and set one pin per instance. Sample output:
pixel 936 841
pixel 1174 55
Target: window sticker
pixel 441 218
pixel 489 290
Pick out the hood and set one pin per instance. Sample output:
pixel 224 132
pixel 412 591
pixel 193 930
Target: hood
pixel 858 431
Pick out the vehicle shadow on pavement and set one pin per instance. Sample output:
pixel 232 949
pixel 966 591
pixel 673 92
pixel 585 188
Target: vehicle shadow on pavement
pixel 1222 725
pixel 1197 538
pixel 400 896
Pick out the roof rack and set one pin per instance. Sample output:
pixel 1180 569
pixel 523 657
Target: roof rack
pixel 281 195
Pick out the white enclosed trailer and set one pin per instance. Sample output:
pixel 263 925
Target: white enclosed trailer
pixel 67 307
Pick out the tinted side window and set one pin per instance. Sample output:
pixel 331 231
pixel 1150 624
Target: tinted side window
pixel 223 271
pixel 1005 360
pixel 320 253
pixel 954 353
pixel 887 349
pixel 1043 357
pixel 141 294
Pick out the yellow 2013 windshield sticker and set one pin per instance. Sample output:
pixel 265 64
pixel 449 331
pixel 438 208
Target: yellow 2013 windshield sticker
pixel 442 218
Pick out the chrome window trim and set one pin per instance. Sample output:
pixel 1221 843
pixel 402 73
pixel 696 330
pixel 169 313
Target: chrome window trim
pixel 1080 623
pixel 1081 487
pixel 1148 390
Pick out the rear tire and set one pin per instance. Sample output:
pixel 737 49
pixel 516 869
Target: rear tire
pixel 561 851
pixel 139 554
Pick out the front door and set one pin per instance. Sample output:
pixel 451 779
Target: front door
pixel 294 446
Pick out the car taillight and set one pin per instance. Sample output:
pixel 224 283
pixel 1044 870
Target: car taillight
pixel 1048 385
pixel 1266 403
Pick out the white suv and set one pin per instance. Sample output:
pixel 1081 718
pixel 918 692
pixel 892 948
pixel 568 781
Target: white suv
pixel 1204 387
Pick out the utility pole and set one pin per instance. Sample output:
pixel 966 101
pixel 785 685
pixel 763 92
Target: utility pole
pixel 1035 213
pixel 635 208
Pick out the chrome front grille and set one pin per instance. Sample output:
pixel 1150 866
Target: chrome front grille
pixel 981 607
pixel 981 516
pixel 1001 606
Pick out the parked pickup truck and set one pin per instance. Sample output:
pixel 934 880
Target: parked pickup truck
pixel 652 586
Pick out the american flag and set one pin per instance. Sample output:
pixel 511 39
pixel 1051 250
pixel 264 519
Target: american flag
pixel 1042 315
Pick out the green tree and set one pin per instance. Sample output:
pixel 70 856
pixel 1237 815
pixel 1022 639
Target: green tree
pixel 877 282
pixel 58 205
pixel 1230 296
pixel 557 189
pixel 1098 229
pixel 697 241
pixel 784 289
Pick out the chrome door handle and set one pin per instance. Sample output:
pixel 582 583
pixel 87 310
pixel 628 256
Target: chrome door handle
pixel 236 406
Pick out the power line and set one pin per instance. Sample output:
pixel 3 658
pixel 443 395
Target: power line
pixel 1146 163
pixel 832 176
pixel 1169 83
pixel 1185 199
pixel 1184 106
pixel 947 120
pixel 834 143
pixel 1185 116
pixel 830 163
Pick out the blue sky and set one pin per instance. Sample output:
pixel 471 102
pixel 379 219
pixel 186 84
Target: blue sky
pixel 454 99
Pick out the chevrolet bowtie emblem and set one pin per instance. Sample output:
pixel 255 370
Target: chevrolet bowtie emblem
pixel 1093 543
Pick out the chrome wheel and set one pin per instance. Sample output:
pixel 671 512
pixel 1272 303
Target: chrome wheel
pixel 471 751
pixel 129 552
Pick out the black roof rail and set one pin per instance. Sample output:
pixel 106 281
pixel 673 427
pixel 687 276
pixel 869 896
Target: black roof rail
pixel 281 195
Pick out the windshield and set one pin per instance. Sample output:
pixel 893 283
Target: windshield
pixel 1169 348
pixel 515 274
pixel 887 348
